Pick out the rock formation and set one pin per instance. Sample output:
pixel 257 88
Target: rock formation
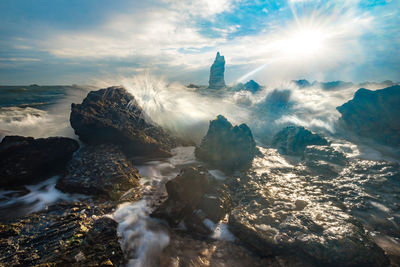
pixel 102 171
pixel 217 70
pixel 193 196
pixel 227 147
pixel 252 86
pixel 374 114
pixel 112 115
pixel 25 160
pixel 298 211
pixel 64 235
pixel 293 140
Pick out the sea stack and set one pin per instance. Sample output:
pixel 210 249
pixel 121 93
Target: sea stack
pixel 217 70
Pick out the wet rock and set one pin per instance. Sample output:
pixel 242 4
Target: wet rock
pixel 112 115
pixel 217 70
pixel 227 147
pixel 184 194
pixel 374 114
pixel 293 140
pixel 25 160
pixel 183 250
pixel 324 153
pixel 102 171
pixel 285 210
pixel 64 235
pixel 216 203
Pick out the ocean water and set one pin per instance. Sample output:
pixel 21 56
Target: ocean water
pixel 38 111
pixel 367 185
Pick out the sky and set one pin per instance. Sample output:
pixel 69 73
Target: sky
pixel 82 42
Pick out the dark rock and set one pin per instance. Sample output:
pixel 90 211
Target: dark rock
pixel 227 147
pixel 252 86
pixel 302 83
pixel 112 115
pixel 193 86
pixel 374 114
pixel 216 203
pixel 184 194
pixel 64 235
pixel 102 171
pixel 25 160
pixel 336 85
pixel 193 196
pixel 293 140
pixel 217 73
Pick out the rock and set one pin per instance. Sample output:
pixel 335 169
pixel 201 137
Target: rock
pixel 64 235
pixel 25 160
pixel 293 140
pixel 286 213
pixel 193 86
pixel 217 73
pixel 324 153
pixel 302 83
pixel 227 147
pixel 216 203
pixel 102 171
pixel 250 86
pixel 112 115
pixel 335 85
pixel 184 194
pixel 374 114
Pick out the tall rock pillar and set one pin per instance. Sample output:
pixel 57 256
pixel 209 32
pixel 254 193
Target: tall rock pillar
pixel 217 70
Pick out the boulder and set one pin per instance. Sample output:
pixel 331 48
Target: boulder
pixel 227 147
pixel 102 171
pixel 112 115
pixel 25 160
pixel 193 196
pixel 184 195
pixel 64 235
pixel 293 140
pixel 217 70
pixel 374 114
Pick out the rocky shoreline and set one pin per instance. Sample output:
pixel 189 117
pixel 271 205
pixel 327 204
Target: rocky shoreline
pixel 280 216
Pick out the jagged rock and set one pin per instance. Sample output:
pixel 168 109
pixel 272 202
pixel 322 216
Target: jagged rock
pixel 374 114
pixel 227 147
pixel 64 235
pixel 102 171
pixel 184 194
pixel 112 115
pixel 252 86
pixel 293 140
pixel 25 160
pixel 217 70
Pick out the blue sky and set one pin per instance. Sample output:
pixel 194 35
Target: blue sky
pixel 74 41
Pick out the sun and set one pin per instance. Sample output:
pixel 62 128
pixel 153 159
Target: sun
pixel 303 43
